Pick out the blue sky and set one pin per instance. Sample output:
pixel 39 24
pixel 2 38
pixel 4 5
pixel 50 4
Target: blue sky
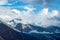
pixel 47 12
pixel 53 4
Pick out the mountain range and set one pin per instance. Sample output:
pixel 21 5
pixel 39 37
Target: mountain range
pixel 28 32
pixel 29 27
pixel 49 33
pixel 7 33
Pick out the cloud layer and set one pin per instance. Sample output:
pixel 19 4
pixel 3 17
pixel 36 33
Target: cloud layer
pixel 2 2
pixel 43 18
pixel 46 3
pixel 36 2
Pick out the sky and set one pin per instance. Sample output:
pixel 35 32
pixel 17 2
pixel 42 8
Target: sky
pixel 43 13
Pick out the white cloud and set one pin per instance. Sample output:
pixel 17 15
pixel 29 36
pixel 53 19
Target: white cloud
pixel 35 31
pixel 37 2
pixel 44 18
pixel 2 2
pixel 5 17
pixel 7 14
pixel 7 2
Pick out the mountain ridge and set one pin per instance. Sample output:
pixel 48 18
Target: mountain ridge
pixel 9 34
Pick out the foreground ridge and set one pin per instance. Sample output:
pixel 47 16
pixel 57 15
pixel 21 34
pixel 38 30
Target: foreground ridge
pixel 8 33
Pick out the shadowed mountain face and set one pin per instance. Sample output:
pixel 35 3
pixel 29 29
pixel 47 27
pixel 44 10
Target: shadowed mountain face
pixel 9 34
pixel 53 29
pixel 23 27
pixel 1 38
pixel 30 27
pixel 49 33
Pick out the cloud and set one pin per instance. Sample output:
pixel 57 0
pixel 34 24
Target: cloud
pixel 8 2
pixel 2 2
pixel 35 31
pixel 5 17
pixel 43 18
pixel 45 3
pixel 10 12
pixel 38 2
